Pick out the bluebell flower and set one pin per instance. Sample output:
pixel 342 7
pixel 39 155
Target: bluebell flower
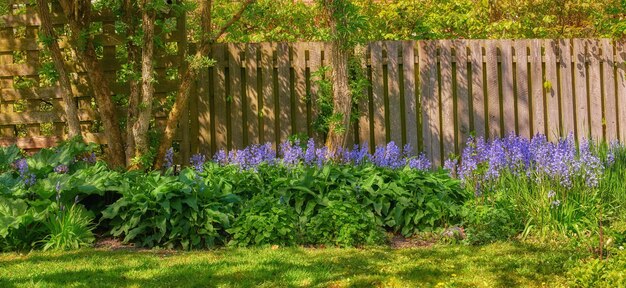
pixel 450 165
pixel 309 154
pixel 420 162
pixel 169 158
pixel 221 157
pixel 25 175
pixel 291 152
pixel 197 161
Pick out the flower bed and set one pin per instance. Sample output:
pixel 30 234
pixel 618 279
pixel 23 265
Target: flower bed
pixel 306 195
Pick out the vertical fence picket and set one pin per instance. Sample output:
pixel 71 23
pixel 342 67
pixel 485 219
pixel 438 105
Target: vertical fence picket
pixel 608 82
pixel 219 94
pixel 580 89
pixel 378 96
pixel 299 71
pixel 493 94
pixel 252 94
pixel 552 90
pixel 478 91
pixel 595 90
pixel 538 115
pixel 508 96
pixel 462 92
pixel 429 94
pixel 620 52
pixel 521 79
pixel 284 92
pixel 567 95
pixel 393 80
pixel 235 97
pixel 447 100
pixel 267 115
pixel 410 100
pixel 204 113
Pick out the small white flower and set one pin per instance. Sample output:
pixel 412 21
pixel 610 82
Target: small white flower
pixel 621 247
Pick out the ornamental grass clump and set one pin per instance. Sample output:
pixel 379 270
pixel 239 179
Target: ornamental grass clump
pixel 551 187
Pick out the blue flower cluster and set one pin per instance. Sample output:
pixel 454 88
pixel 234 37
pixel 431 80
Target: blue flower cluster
pixel 536 158
pixel 293 153
pixel 25 175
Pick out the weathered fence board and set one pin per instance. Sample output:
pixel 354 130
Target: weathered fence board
pixel 378 96
pixel 462 92
pixel 429 95
pixel 393 92
pixel 521 81
pixel 595 89
pixel 608 82
pixel 410 97
pixel 620 52
pixel 493 95
pixel 478 88
pixel 538 101
pixel 446 102
pixel 508 96
pixel 580 87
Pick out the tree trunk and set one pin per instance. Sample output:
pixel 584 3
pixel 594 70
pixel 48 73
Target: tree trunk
pixel 140 127
pixel 71 113
pixel 134 84
pixel 78 12
pixel 182 96
pixel 342 98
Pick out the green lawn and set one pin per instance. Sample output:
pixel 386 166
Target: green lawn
pixel 496 265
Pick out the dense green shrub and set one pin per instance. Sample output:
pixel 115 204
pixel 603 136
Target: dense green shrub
pixel 344 223
pixel 493 222
pixel 265 220
pixel 33 190
pixel 170 211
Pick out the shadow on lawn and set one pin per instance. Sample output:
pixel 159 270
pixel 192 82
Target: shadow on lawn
pixel 508 266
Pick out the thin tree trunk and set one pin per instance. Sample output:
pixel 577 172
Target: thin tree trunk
pixel 140 127
pixel 134 84
pixel 78 12
pixel 71 112
pixel 182 96
pixel 342 98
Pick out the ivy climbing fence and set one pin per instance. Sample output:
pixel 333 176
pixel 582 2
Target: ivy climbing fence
pixel 430 94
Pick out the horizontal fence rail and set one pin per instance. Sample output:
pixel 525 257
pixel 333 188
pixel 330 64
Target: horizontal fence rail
pixel 430 94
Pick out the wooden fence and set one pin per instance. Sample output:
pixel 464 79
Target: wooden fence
pixel 430 94
pixel 31 108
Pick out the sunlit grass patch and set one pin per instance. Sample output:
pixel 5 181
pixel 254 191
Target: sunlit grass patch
pixel 495 265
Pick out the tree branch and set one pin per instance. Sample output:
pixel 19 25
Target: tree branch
pixel 230 22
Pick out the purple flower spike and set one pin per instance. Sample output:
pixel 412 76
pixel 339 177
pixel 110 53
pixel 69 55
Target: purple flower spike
pixel 169 158
pixel 197 161
pixel 420 163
